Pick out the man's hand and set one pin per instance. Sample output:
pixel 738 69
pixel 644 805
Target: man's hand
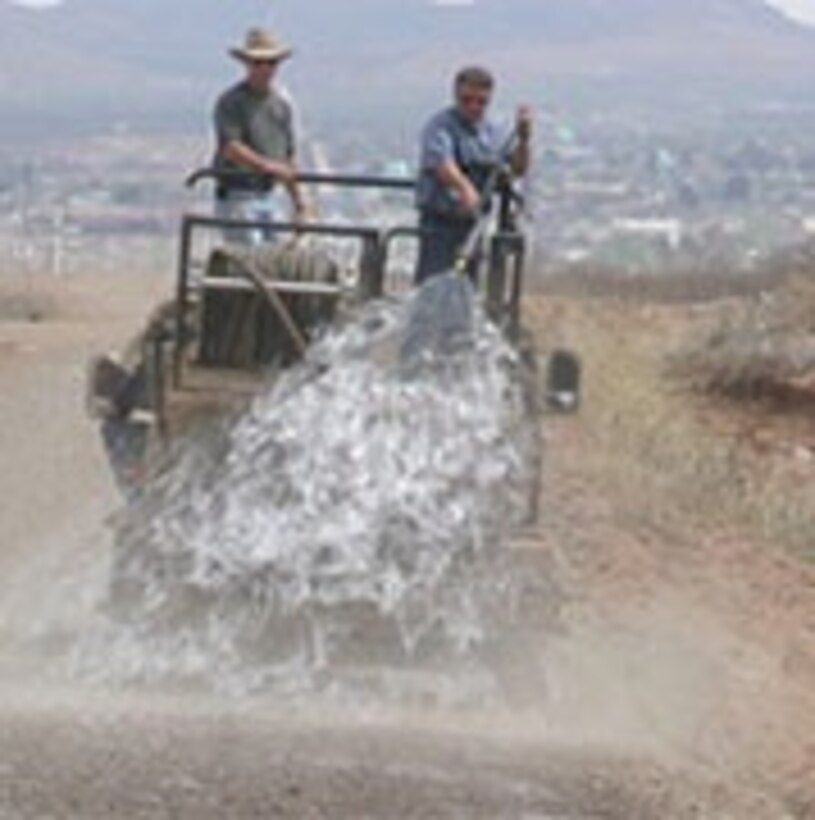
pixel 283 172
pixel 459 184
pixel 525 123
pixel 469 198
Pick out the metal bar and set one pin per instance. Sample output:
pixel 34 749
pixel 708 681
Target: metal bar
pixel 496 284
pixel 507 259
pixel 310 178
pixel 372 264
pixel 506 220
pixel 315 228
pixel 157 377
pixel 304 288
pixel 517 287
pixel 359 181
pixel 182 288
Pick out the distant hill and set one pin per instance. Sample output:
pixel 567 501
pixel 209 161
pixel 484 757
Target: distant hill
pixel 152 58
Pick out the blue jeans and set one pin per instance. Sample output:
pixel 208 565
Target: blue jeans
pixel 252 206
pixel 441 240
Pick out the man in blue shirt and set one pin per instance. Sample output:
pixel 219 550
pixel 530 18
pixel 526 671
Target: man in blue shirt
pixel 460 147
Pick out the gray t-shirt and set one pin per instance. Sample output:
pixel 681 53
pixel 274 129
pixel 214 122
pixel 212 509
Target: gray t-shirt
pixel 475 147
pixel 264 122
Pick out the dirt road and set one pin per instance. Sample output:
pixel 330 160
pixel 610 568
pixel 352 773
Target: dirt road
pixel 679 684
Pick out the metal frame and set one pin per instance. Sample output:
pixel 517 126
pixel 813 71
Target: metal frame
pixel 371 267
pixel 506 257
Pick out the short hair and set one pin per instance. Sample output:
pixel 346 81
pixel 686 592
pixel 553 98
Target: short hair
pixel 475 77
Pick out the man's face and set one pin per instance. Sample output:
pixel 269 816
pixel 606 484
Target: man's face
pixel 472 101
pixel 262 72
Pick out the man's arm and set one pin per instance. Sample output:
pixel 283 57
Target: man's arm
pixel 451 176
pixel 439 158
pixel 241 154
pixel 283 172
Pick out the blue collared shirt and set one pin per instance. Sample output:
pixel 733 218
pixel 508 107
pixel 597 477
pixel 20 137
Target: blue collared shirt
pixel 475 147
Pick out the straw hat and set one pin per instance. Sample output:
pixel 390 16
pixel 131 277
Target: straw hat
pixel 261 44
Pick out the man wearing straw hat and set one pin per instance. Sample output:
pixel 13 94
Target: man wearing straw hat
pixel 255 135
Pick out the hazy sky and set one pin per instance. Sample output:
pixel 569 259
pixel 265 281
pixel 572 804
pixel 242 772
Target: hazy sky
pixel 800 9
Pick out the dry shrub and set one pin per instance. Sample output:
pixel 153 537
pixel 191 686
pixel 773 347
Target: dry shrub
pixel 763 348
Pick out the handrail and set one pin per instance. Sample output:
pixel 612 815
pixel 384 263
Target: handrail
pixel 308 178
pixel 315 228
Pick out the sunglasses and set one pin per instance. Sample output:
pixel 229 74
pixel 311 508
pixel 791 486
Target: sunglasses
pixel 265 63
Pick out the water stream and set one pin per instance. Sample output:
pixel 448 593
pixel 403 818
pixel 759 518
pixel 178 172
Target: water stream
pixel 355 517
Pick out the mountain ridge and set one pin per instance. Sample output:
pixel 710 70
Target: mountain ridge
pixel 121 57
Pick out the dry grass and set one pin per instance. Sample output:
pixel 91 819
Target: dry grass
pixel 24 300
pixel 662 462
pixel 698 285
